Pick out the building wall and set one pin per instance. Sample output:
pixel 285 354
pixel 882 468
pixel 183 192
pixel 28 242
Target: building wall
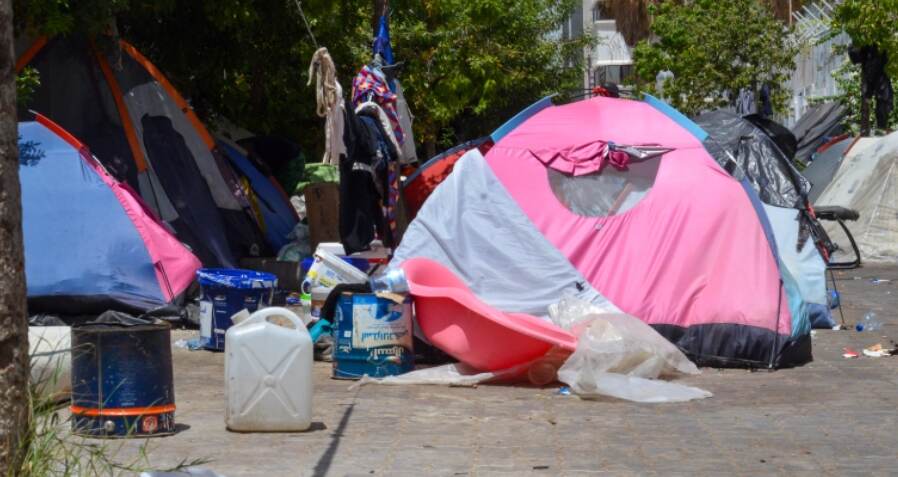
pixel 609 59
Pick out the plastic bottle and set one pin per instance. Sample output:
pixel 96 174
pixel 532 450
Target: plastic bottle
pixel 392 281
pixel 869 323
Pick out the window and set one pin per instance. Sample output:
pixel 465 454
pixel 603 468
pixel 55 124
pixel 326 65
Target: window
pixel 609 192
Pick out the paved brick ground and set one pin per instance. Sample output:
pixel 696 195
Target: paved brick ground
pixel 831 417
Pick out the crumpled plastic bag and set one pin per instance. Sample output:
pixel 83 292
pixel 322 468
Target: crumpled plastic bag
pixel 620 356
pixel 571 311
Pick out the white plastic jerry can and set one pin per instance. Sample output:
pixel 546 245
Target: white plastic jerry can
pixel 268 373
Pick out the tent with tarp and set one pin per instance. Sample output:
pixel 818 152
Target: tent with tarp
pixel 632 214
pixel 757 150
pixel 822 169
pixel 115 100
pixel 867 182
pixel 90 243
pixel 817 126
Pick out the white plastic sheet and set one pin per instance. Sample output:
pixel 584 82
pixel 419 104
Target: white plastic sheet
pixel 619 356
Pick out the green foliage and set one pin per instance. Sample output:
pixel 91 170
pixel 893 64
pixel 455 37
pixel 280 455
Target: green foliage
pixel 871 23
pixel 26 82
pixel 868 23
pixel 714 49
pixel 247 60
pixel 54 17
pixel 848 80
pixel 474 60
pixel 468 64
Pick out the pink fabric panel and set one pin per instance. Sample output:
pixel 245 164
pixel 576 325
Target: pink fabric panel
pixel 691 252
pixel 166 251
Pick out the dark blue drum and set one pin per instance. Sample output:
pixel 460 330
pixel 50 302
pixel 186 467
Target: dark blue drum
pixel 122 380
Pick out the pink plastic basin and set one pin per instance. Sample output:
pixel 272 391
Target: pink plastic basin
pixel 457 322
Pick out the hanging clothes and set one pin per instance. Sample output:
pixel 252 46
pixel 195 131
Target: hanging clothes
pixel 745 102
pixel 875 81
pixel 330 105
pixel 386 168
pixel 407 153
pixel 371 85
pixel 360 200
pixel 374 110
pixel 765 108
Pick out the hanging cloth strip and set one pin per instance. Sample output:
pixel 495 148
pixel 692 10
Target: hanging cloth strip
pixel 371 85
pixel 329 98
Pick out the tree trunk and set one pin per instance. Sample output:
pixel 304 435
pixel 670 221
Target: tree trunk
pixel 430 146
pixel 13 323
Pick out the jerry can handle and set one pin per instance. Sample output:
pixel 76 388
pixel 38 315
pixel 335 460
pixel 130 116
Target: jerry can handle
pixel 265 313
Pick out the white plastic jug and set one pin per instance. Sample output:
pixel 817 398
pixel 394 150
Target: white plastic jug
pixel 268 373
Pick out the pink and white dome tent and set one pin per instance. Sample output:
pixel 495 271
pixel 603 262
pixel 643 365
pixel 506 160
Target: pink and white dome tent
pixel 619 203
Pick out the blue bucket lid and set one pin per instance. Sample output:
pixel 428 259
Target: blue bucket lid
pixel 235 278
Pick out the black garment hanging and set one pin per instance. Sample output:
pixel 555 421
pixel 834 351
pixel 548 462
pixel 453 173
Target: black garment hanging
pixel 360 210
pixel 875 82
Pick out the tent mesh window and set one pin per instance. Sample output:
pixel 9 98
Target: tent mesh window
pixel 607 192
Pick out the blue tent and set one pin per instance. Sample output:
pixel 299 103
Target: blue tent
pixel 276 213
pixel 90 245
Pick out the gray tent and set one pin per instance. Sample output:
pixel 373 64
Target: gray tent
pixel 818 125
pixel 824 166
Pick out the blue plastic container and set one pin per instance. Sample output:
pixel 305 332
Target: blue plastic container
pixel 226 291
pixel 122 380
pixel 372 336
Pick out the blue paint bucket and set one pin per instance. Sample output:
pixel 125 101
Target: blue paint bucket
pixel 372 336
pixel 226 291
pixel 122 380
